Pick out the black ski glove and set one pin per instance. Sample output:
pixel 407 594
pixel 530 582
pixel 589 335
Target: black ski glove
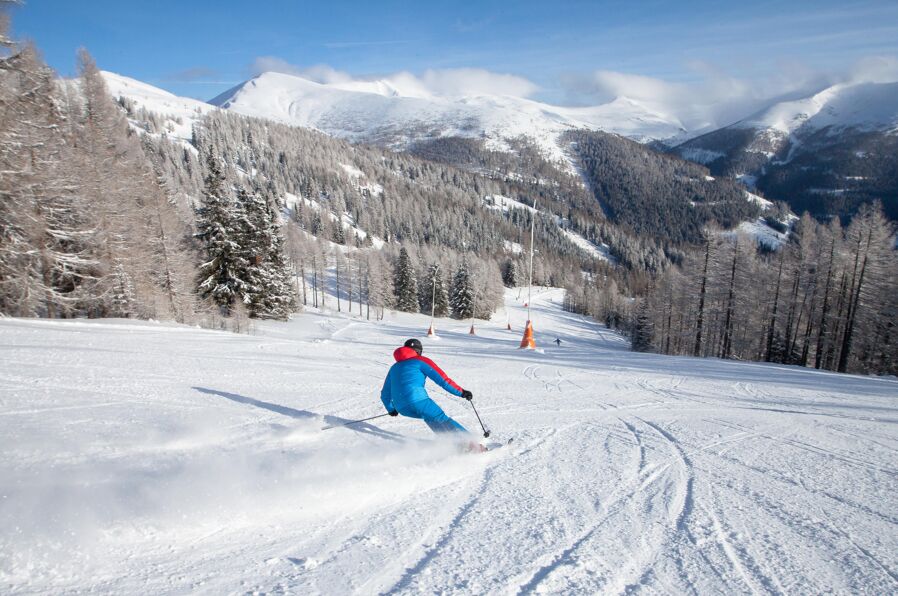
pixel 467 395
pixel 394 413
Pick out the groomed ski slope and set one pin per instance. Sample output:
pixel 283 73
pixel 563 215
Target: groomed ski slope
pixel 157 459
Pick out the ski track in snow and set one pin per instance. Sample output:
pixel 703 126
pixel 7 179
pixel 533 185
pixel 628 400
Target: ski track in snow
pixel 153 458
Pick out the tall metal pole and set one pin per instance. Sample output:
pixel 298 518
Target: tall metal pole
pixel 530 275
pixel 527 341
pixel 433 297
pixel 431 332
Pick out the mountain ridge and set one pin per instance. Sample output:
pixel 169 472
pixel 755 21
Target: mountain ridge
pixel 825 153
pixel 394 117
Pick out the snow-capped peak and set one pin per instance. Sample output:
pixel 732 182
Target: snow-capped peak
pixel 861 105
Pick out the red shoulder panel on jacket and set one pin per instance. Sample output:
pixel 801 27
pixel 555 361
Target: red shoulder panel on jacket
pixel 439 370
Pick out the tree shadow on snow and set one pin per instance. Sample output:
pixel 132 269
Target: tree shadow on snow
pixel 363 428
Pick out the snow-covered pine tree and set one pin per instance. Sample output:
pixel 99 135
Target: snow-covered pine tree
pixel 462 292
pixel 338 235
pixel 315 223
pixel 122 300
pixel 268 293
pixel 250 232
pixel 404 284
pixel 220 277
pixel 643 328
pixel 282 294
pixel 510 274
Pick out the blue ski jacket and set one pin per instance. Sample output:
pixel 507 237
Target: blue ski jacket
pixel 404 384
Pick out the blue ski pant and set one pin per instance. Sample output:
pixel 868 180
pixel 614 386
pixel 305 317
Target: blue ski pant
pixel 433 415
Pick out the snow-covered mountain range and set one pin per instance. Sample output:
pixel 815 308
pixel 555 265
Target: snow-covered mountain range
pixel 176 116
pixel 825 153
pixel 385 113
pixel 869 106
pixel 839 110
pixel 843 134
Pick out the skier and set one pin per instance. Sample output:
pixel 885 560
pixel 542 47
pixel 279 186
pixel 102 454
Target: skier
pixel 558 341
pixel 404 393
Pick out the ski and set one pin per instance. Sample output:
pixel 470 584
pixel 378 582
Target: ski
pixel 493 445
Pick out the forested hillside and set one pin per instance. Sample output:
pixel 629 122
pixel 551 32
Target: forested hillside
pixel 827 153
pixel 831 179
pixel 651 194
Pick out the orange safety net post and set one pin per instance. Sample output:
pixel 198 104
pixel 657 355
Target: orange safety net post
pixel 527 341
pixel 431 332
pixel 471 332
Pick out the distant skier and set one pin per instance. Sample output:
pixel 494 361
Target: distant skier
pixel 404 393
pixel 558 341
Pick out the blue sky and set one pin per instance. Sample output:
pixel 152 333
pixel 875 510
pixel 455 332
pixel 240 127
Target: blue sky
pixel 200 48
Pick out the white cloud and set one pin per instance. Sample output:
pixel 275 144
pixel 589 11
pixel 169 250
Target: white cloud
pixel 320 73
pixel 715 98
pixel 476 81
pixel 874 69
pixel 442 82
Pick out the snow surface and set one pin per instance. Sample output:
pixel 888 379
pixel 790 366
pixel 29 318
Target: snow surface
pixel 601 252
pixel 762 233
pixel 162 459
pixel 352 171
pixel 506 204
pixel 381 111
pixel 748 180
pixel 698 155
pixel 513 247
pixel 356 175
pixel 763 203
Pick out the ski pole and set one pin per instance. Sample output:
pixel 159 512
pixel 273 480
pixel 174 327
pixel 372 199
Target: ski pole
pixel 486 433
pixel 354 422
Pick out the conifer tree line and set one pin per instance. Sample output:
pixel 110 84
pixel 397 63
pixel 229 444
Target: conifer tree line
pixel 367 282
pixel 826 299
pixel 88 226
